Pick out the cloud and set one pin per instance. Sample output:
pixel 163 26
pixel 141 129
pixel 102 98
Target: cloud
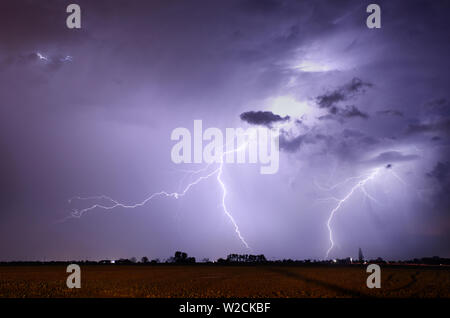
pixel 46 62
pixel 265 6
pixel 342 93
pixel 438 107
pixel 339 114
pixel 390 112
pixel 328 100
pixel 440 172
pixel 442 125
pixel 392 156
pixel 440 197
pixel 291 144
pixel 360 137
pixel 351 133
pixel 326 117
pixel 331 101
pixel 352 111
pixel 263 118
pixel 41 23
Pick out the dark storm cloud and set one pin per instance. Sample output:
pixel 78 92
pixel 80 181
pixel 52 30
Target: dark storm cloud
pixel 22 59
pixel 263 118
pixel 326 117
pixel 343 93
pixel 36 26
pixel 352 111
pixel 390 112
pixel 369 140
pixel 141 68
pixel 331 101
pixel 36 59
pixel 440 197
pixel 266 6
pixel 361 138
pixel 352 133
pixel 438 107
pixel 441 125
pixel 441 172
pixel 291 144
pixel 339 114
pixel 392 156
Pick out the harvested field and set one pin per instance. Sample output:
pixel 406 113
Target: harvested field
pixel 223 281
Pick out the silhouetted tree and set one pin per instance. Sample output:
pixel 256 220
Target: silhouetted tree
pixel 124 261
pixel 261 258
pixel 360 255
pixel 246 258
pixel 144 259
pixel 180 257
pixel 190 260
pixel 380 260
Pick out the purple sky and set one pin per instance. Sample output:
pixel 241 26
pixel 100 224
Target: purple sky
pixel 100 121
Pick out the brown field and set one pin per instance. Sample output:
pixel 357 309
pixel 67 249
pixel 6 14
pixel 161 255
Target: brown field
pixel 223 281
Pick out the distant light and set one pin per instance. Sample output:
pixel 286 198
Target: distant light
pixel 112 262
pixel 334 261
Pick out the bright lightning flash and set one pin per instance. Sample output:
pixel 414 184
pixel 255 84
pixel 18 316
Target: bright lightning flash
pixel 65 59
pixel 359 186
pixel 218 172
pixel 41 57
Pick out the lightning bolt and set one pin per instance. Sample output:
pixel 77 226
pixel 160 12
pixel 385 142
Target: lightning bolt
pixel 64 59
pixel 224 207
pixel 218 172
pixel 41 57
pixel 360 185
pixel 396 176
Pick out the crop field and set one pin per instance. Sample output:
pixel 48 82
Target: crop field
pixel 223 281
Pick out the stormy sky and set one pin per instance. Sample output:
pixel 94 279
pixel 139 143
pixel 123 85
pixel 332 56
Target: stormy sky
pixel 89 112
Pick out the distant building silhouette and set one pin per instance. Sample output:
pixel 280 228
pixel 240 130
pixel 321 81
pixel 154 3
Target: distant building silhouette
pixel 360 255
